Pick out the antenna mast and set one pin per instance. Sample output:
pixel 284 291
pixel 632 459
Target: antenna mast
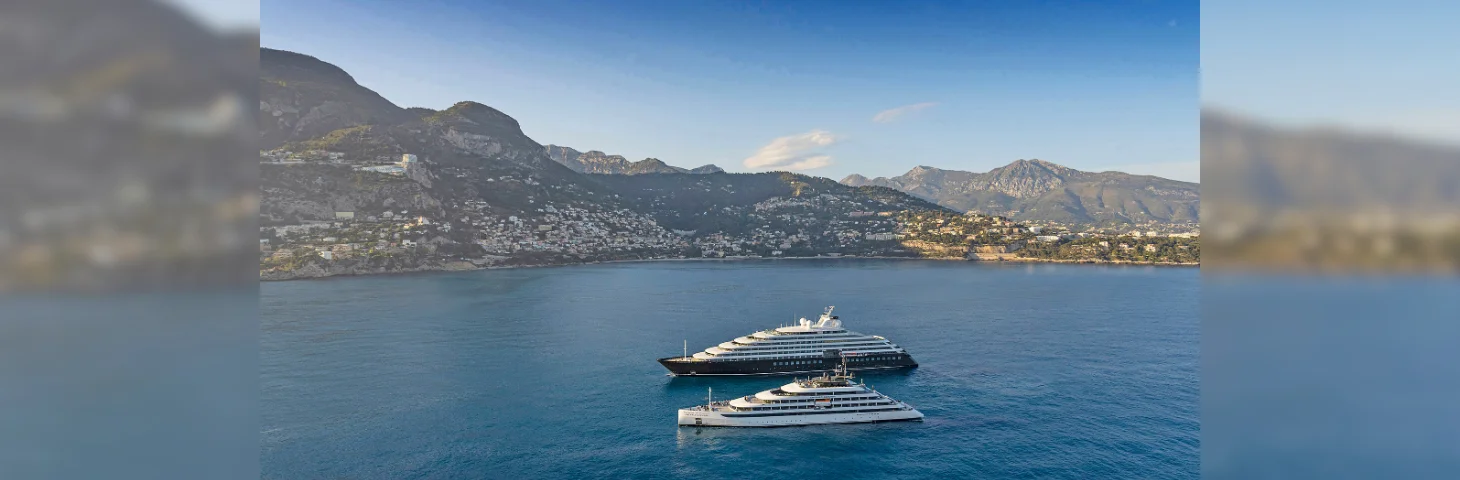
pixel 686 348
pixel 710 399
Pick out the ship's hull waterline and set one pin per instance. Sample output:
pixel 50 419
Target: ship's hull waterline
pixel 679 366
pixel 702 418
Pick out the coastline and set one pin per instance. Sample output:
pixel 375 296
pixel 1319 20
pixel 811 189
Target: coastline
pixel 463 266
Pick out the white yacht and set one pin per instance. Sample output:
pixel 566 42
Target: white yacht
pixel 802 348
pixel 815 401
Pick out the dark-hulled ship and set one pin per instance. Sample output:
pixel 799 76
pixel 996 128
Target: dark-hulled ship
pixel 806 347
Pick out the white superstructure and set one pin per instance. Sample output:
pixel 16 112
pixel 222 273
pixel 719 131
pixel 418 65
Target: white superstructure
pixel 822 400
pixel 806 340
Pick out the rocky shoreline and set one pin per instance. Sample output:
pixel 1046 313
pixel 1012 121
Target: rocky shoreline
pixel 315 271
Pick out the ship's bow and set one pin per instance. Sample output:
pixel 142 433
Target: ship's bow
pixel 677 365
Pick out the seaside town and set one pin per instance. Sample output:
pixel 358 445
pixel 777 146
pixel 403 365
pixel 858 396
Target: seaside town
pixel 474 236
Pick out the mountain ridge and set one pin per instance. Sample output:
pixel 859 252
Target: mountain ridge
pixel 471 160
pixel 352 183
pixel 598 162
pixel 1039 190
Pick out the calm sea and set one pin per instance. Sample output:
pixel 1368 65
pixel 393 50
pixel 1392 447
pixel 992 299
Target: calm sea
pixel 1028 371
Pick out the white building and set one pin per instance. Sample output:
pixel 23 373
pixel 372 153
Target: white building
pixel 386 169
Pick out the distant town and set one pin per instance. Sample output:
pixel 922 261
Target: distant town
pixel 474 235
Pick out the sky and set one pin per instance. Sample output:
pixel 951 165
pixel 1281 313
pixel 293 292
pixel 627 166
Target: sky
pixel 1361 64
pixel 224 15
pixel 825 88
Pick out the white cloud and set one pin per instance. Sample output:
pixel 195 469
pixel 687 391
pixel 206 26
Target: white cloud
pixel 1183 171
pixel 892 114
pixel 793 152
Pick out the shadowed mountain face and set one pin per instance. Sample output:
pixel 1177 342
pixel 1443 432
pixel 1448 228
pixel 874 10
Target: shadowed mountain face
pixel 468 152
pixel 594 161
pixel 306 104
pixel 301 97
pixel 720 203
pixel 1044 191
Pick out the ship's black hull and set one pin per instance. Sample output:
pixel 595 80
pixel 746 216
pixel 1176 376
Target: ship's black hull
pixel 677 366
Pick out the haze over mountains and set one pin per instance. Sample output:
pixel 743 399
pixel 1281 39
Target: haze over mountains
pixel 1040 190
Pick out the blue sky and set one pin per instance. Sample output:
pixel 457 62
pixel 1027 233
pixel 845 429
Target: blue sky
pixel 828 88
pixel 1368 64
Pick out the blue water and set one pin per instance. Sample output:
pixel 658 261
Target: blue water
pixel 1331 378
pixel 1028 371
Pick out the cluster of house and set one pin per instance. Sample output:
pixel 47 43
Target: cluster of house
pixel 389 232
pixel 574 230
pixel 970 226
pixel 796 229
pixel 780 224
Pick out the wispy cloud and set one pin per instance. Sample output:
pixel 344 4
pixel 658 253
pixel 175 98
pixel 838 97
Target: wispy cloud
pixel 793 152
pixel 892 114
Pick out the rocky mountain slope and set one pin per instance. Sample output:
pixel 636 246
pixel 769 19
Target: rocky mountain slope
pixel 1042 191
pixel 301 97
pixel 480 191
pixel 594 161
pixel 469 151
pixel 723 202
